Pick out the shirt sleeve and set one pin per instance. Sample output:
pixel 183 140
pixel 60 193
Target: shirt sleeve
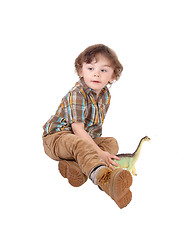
pixel 105 104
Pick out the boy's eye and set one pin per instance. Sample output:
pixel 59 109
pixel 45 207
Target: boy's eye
pixel 103 70
pixel 90 68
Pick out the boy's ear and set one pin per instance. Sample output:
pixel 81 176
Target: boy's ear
pixel 112 79
pixel 80 73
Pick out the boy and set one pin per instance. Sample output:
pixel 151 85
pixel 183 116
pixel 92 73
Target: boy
pixel 74 132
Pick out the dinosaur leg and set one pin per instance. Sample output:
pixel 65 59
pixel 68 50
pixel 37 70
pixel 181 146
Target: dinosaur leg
pixel 130 166
pixel 134 171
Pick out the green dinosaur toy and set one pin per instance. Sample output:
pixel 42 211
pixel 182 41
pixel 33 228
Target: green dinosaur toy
pixel 128 160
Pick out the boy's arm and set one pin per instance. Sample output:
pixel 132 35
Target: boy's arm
pixel 78 129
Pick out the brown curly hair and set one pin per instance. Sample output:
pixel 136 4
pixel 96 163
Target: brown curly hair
pixel 89 54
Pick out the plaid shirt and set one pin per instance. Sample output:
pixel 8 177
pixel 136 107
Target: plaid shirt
pixel 80 105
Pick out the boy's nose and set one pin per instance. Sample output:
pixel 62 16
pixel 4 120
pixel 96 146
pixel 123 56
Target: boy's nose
pixel 96 74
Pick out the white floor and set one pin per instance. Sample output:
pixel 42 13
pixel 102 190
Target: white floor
pixel 40 41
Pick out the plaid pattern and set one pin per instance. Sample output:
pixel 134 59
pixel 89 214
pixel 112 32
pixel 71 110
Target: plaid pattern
pixel 79 105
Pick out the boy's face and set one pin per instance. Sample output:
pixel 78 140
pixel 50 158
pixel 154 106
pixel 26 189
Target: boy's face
pixel 98 73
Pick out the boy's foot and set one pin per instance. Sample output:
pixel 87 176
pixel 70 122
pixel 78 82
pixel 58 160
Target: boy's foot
pixel 116 184
pixel 71 170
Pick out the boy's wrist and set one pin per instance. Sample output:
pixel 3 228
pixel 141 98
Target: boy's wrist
pixel 98 149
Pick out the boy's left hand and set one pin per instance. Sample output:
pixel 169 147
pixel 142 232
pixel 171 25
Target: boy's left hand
pixel 108 158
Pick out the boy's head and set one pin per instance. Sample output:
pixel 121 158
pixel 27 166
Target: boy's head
pixel 92 53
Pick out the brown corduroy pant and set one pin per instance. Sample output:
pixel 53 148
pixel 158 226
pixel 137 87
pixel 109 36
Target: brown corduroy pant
pixel 65 145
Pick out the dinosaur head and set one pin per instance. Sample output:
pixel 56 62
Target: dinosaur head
pixel 146 138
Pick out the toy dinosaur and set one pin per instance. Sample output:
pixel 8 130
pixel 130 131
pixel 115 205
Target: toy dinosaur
pixel 128 160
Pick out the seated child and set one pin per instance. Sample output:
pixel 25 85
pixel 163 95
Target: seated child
pixel 74 132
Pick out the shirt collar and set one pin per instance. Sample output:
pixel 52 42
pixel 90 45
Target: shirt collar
pixel 89 90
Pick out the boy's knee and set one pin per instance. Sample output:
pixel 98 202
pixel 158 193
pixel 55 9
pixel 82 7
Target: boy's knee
pixel 114 145
pixel 109 144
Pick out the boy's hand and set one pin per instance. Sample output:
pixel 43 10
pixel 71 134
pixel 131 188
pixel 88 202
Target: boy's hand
pixel 108 158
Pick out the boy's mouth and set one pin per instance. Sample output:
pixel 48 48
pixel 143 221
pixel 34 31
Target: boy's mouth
pixel 96 81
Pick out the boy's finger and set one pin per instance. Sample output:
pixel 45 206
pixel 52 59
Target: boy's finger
pixel 114 163
pixel 115 157
pixel 113 168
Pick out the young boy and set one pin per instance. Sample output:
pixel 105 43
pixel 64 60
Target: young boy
pixel 74 132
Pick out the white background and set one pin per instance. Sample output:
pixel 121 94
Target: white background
pixel 38 45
